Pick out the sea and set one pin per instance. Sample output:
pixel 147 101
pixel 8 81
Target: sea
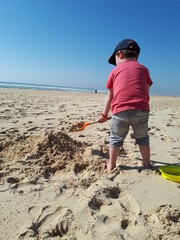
pixel 17 85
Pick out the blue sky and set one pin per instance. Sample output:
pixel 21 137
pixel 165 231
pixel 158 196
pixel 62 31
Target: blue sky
pixel 68 42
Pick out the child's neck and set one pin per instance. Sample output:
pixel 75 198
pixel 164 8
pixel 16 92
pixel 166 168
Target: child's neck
pixel 126 59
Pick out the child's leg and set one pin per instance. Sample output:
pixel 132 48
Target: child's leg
pixel 113 152
pixel 145 152
pixel 119 131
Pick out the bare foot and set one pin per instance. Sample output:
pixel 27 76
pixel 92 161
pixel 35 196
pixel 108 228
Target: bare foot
pixel 109 166
pixel 147 166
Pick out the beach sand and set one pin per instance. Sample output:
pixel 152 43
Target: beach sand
pixel 53 184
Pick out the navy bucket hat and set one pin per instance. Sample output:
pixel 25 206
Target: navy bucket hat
pixel 124 44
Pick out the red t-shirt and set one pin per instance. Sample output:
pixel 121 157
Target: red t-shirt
pixel 129 82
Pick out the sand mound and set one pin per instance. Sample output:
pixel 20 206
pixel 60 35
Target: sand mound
pixel 48 153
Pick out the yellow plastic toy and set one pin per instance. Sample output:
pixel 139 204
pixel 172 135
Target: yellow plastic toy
pixel 170 172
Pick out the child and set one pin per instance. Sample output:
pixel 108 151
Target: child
pixel 128 97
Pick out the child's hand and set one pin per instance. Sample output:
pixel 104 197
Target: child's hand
pixel 102 118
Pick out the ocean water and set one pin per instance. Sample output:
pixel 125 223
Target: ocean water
pixel 47 87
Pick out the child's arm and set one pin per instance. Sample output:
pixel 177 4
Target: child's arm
pixel 103 117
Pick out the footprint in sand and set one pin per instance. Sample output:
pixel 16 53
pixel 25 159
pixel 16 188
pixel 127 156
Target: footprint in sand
pixel 26 187
pixel 103 197
pixel 130 203
pixel 48 222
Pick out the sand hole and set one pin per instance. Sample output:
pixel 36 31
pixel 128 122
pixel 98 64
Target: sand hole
pixel 78 168
pixel 112 192
pixel 95 204
pixel 124 223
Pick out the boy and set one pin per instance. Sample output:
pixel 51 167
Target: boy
pixel 128 97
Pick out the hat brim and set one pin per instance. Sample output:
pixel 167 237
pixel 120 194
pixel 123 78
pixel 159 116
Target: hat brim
pixel 112 59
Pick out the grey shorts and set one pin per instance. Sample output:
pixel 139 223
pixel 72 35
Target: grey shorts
pixel 137 119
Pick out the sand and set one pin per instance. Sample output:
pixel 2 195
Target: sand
pixel 53 184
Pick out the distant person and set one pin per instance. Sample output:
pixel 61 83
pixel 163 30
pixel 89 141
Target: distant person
pixel 128 97
pixel 95 91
